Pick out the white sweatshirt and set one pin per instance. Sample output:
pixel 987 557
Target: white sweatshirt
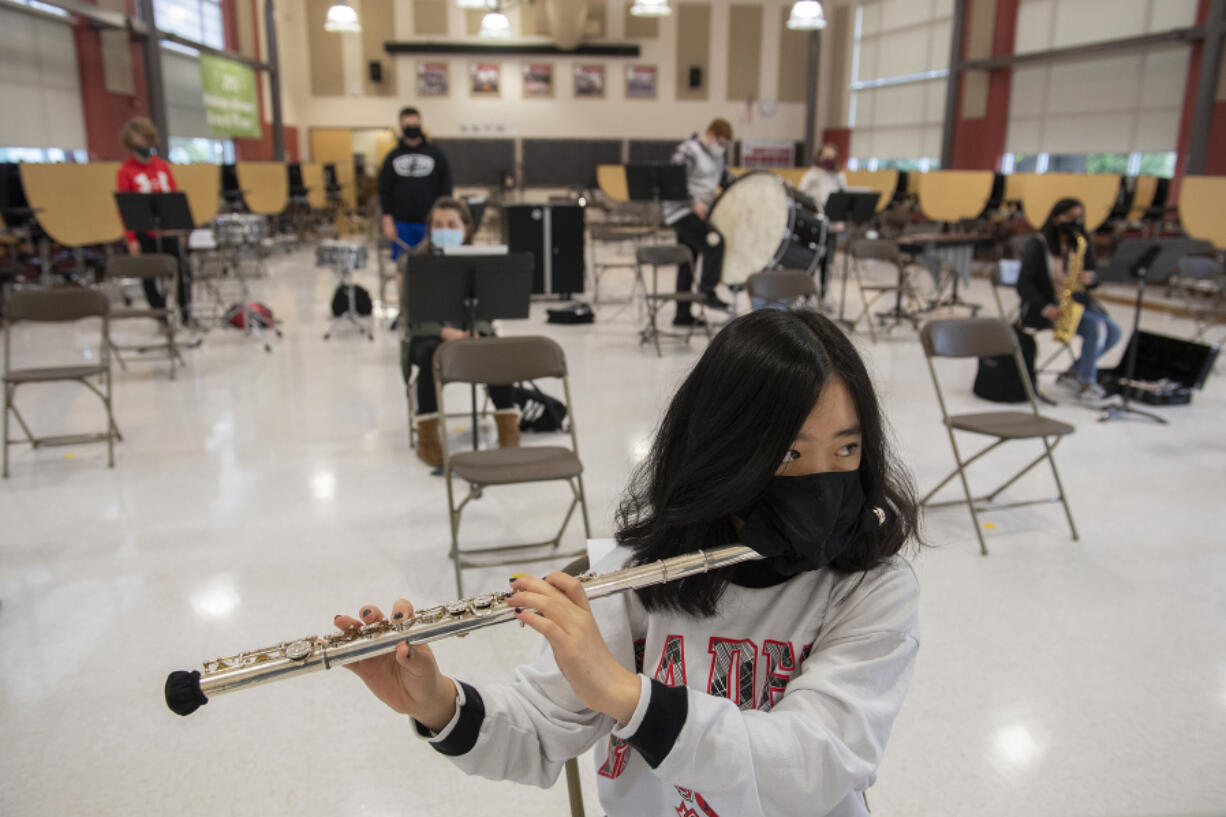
pixel 818 183
pixel 705 173
pixel 780 704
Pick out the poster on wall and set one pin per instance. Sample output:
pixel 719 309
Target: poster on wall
pixel 641 82
pixel 432 79
pixel 538 80
pixel 230 106
pixel 768 154
pixel 486 79
pixel 589 81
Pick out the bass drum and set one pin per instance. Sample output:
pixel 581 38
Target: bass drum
pixel 767 224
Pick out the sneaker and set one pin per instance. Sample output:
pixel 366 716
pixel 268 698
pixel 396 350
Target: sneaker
pixel 713 301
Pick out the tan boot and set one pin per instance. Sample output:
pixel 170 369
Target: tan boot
pixel 507 421
pixel 429 448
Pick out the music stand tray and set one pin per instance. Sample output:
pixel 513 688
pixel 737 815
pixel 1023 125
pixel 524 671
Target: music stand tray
pixel 857 208
pixel 154 212
pixel 656 181
pixel 1144 260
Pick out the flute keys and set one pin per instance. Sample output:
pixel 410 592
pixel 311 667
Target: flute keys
pixel 430 614
pixel 457 608
pixel 481 605
pixel 298 650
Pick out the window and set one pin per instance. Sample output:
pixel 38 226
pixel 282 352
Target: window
pixel 45 7
pixel 1127 164
pixel 197 20
pixel 900 62
pixel 192 149
pixel 16 154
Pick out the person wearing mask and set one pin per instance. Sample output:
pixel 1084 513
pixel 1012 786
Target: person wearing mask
pixel 413 176
pixel 1040 281
pixel 450 225
pixel 143 172
pixel 819 181
pixel 705 172
pixel 765 688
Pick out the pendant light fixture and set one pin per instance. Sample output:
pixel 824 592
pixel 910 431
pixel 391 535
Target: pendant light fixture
pixel 495 25
pixel 342 17
pixel 650 8
pixel 807 15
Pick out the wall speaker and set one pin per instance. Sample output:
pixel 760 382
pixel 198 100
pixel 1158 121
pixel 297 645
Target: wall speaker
pixel 695 77
pixel 376 71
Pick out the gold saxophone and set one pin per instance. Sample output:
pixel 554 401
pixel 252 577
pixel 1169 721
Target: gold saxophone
pixel 1070 310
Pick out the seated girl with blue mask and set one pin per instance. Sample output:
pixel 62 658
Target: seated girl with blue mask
pixel 449 225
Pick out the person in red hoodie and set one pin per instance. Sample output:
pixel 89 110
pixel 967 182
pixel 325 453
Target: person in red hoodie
pixel 145 173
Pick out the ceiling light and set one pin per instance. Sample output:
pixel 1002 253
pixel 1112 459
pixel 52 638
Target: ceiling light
pixel 495 24
pixel 342 17
pixel 650 8
pixel 807 15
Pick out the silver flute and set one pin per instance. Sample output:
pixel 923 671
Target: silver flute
pixel 187 691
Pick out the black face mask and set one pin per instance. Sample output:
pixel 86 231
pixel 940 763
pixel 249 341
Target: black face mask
pixel 143 151
pixel 805 523
pixel 412 133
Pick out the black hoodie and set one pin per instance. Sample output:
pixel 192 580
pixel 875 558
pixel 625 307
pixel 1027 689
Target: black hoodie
pixel 411 179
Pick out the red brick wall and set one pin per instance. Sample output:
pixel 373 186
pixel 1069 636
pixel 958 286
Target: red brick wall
pixel 104 111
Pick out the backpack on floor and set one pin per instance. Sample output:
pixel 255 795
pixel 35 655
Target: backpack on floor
pixel 577 312
pixel 361 298
pixel 997 379
pixel 261 316
pixel 537 410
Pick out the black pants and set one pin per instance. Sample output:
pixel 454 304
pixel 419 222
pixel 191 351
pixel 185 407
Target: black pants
pixel 421 351
pixel 692 232
pixel 155 296
pixel 832 243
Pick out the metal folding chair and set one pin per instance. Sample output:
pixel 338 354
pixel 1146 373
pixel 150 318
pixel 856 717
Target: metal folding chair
pixel 666 255
pixel 781 289
pixel 498 362
pixel 162 267
pixel 58 306
pixel 874 249
pixel 988 337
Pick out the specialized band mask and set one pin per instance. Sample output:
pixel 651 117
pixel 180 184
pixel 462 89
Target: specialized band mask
pixel 828 164
pixel 412 133
pixel 805 523
pixel 444 237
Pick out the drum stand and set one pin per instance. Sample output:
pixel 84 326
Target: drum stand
pixel 344 277
pixel 233 253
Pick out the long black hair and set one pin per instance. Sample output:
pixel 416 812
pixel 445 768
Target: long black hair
pixel 1050 229
pixel 725 434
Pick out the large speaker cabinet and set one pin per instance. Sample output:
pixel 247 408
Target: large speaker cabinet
pixel 553 233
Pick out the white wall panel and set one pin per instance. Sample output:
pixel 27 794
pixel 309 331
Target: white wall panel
pixel 866 105
pixel 938 46
pixel 1085 21
pixel 905 13
pixel 898 143
pixel 1157 131
pixel 1034 19
pixel 905 52
pixel 1028 96
pixel 1024 135
pixel 39 83
pixel 870 19
pixel 1165 14
pixel 1163 77
pixel 900 105
pixel 1089 133
pixel 934 93
pixel 1100 84
pixel 867 69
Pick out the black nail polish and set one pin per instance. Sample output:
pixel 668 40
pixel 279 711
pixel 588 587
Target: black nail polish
pixel 397 616
pixel 518 610
pixel 512 579
pixel 335 617
pixel 366 612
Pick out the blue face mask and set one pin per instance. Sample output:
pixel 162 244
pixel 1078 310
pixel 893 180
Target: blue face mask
pixel 443 237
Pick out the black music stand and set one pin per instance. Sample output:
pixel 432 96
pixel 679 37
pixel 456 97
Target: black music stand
pixel 857 209
pixel 656 182
pixel 155 212
pixel 463 289
pixel 1144 260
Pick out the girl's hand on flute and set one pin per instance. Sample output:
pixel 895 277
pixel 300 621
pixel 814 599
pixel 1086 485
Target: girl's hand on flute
pixel 407 680
pixel 580 651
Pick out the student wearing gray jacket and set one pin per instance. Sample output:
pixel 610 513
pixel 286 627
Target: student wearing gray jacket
pixel 766 688
pixel 705 172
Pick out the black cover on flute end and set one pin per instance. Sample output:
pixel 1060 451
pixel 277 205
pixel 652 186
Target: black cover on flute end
pixel 183 694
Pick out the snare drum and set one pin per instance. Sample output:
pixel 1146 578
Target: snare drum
pixel 236 229
pixel 767 224
pixel 340 255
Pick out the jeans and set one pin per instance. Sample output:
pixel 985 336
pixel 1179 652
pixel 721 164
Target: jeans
pixel 153 294
pixel 692 232
pixel 421 351
pixel 1098 334
pixel 410 233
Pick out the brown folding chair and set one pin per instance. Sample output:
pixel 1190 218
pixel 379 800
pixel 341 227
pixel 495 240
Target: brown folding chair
pixel 874 249
pixel 785 288
pixel 612 235
pixel 666 255
pixel 502 362
pixel 988 337
pixel 58 306
pixel 159 266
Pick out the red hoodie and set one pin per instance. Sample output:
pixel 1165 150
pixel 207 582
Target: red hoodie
pixel 154 176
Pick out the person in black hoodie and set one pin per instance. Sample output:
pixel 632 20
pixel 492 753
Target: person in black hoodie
pixel 1041 280
pixel 413 176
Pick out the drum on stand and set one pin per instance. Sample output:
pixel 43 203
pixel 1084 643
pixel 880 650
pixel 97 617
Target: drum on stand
pixel 240 236
pixel 240 229
pixel 343 258
pixel 340 255
pixel 767 224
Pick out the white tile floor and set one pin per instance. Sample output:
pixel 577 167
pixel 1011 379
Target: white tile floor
pixel 260 494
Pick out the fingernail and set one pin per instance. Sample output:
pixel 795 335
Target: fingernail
pixel 335 617
pixel 397 616
pixel 518 610
pixel 512 579
pixel 366 612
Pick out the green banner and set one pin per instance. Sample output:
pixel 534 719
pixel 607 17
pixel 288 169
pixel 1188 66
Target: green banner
pixel 230 104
